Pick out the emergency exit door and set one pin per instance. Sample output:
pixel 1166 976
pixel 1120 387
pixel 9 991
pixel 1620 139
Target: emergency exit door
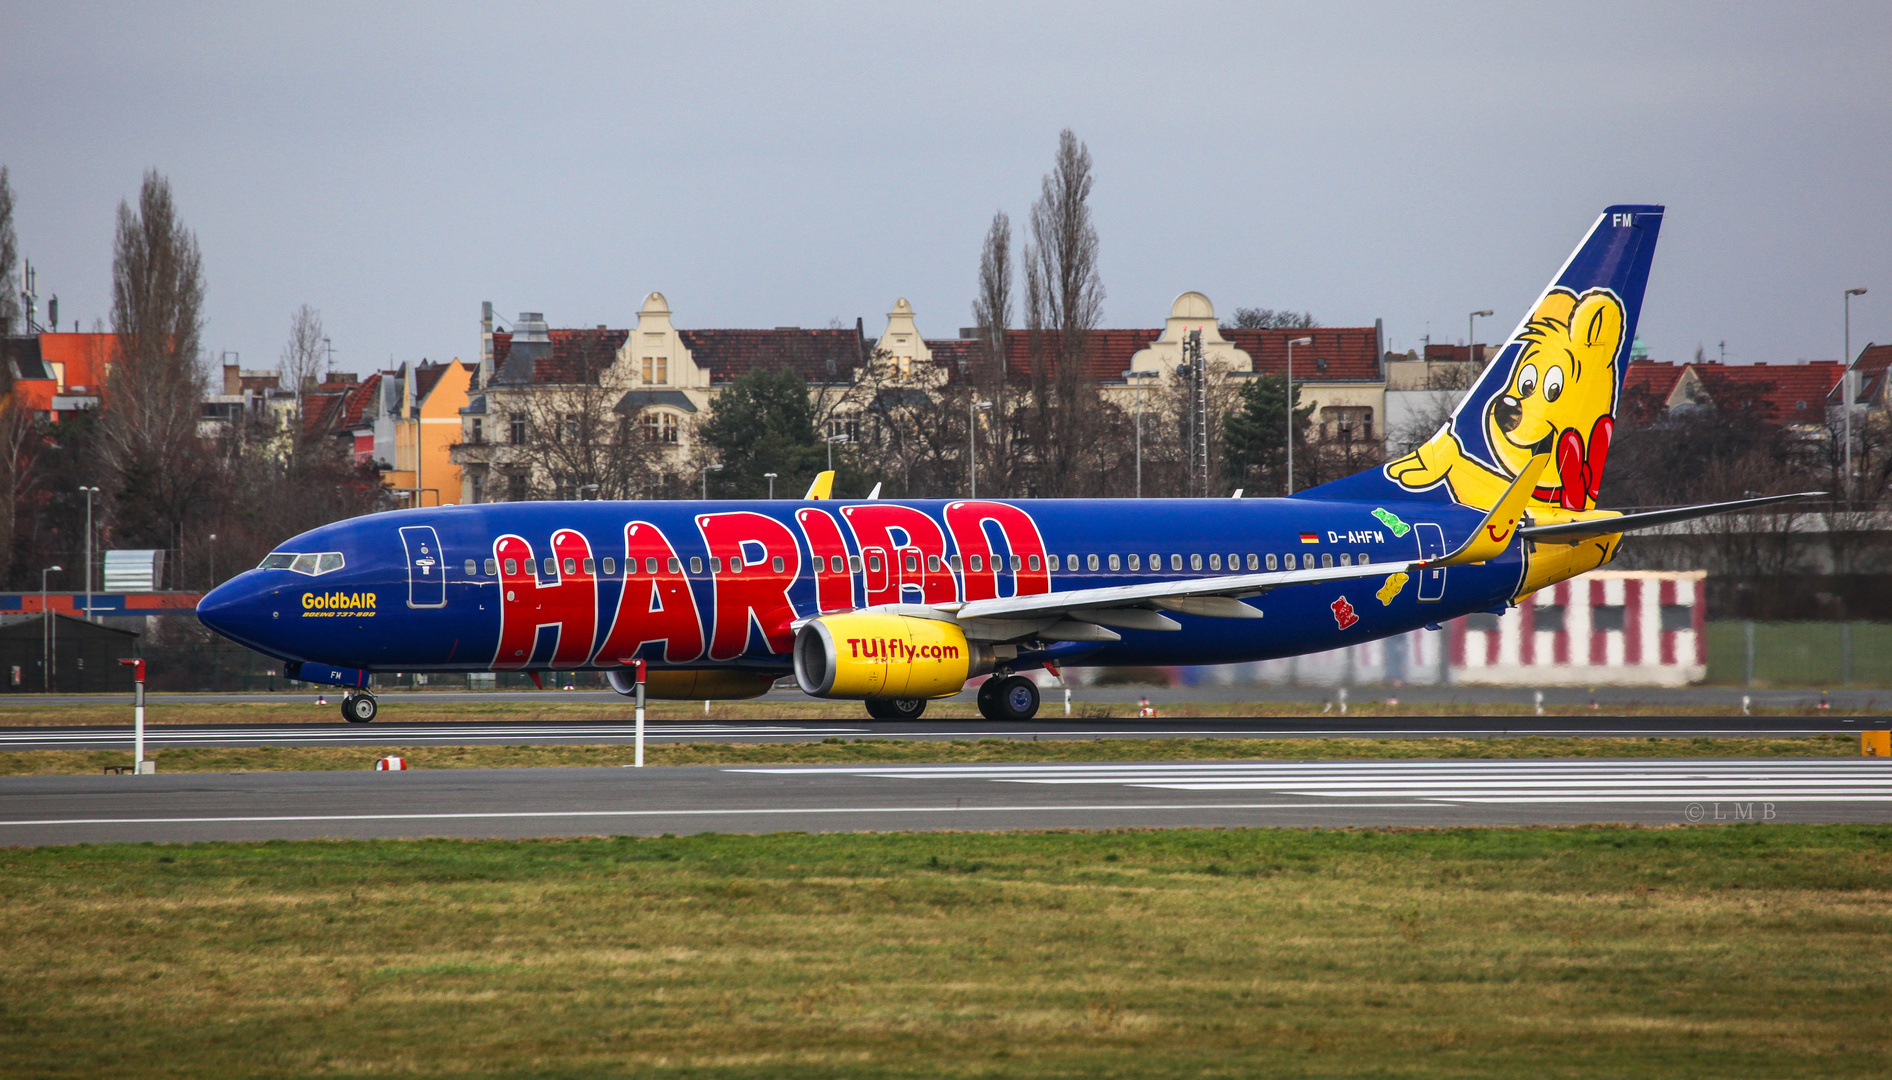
pixel 1431 546
pixel 426 569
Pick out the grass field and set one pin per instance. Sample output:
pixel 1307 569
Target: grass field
pixel 446 707
pixel 849 751
pixel 1756 951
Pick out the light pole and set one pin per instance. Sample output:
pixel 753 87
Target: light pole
pixel 771 477
pixel 707 469
pixel 46 639
pixel 1471 333
pixel 973 409
pixel 213 560
pixel 831 440
pixel 1292 342
pixel 1846 388
pixel 89 492
pixel 1137 377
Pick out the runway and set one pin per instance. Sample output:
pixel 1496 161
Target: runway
pixel 561 802
pixel 618 730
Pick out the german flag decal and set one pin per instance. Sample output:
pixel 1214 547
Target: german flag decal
pixel 1310 538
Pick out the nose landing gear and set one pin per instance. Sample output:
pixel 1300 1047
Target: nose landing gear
pixel 358 708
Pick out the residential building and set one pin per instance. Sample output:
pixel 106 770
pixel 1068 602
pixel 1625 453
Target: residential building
pixel 51 374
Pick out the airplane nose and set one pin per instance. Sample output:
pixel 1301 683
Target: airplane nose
pixel 227 608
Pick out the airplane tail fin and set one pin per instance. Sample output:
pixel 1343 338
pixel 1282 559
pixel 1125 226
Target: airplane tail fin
pixel 1552 387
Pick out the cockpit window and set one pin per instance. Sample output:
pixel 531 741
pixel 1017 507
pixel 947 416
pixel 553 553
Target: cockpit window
pixel 313 564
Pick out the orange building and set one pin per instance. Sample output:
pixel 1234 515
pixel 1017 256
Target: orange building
pixel 59 373
pixel 424 407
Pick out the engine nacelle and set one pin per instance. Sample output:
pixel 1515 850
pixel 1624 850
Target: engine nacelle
pixel 692 685
pixel 885 656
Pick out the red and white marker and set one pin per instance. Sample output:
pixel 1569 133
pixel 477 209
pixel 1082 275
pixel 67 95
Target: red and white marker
pixel 387 763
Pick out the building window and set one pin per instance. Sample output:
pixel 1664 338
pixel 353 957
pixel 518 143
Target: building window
pixel 656 370
pixel 478 434
pixel 479 489
pixel 517 489
pixel 516 429
pixel 838 428
pixel 660 427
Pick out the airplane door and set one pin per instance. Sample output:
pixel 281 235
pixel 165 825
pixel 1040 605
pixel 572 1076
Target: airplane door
pixel 912 571
pixel 1431 546
pixel 426 569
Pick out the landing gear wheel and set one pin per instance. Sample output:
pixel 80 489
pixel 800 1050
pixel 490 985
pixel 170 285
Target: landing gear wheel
pixel 1014 699
pixel 358 708
pixel 881 708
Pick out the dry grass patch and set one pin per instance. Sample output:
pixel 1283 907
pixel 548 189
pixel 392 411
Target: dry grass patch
pixel 1716 952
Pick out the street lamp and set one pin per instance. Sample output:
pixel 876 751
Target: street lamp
pixel 1471 334
pixel 47 639
pixel 213 560
pixel 707 469
pixel 1292 342
pixel 771 477
pixel 973 409
pixel 1846 387
pixel 1137 378
pixel 582 488
pixel 89 492
pixel 831 440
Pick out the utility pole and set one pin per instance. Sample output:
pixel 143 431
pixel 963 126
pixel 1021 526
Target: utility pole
pixel 1194 369
pixel 89 492
pixel 1846 389
pixel 1471 334
pixel 1137 378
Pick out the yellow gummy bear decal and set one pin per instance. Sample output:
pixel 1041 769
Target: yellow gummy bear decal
pixel 1391 589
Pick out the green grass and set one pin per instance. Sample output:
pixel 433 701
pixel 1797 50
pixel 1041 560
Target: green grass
pixel 1757 951
pixel 840 751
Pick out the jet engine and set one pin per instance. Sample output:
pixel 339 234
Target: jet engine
pixel 885 656
pixel 665 685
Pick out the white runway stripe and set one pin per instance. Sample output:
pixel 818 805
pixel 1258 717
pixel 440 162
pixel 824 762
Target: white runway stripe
pixel 1491 781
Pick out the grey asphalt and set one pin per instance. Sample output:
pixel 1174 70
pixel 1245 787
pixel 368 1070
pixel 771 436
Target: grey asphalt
pixel 519 803
pixel 613 728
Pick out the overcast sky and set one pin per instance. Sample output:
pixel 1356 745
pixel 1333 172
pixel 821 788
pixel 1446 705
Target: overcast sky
pixel 396 164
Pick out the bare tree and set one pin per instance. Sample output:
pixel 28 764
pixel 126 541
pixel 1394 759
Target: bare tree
pixel 992 310
pixel 578 445
pixel 9 256
pixel 149 422
pixel 1064 298
pixel 1446 386
pixel 1249 318
pixel 301 363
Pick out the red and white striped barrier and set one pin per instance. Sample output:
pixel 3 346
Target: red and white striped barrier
pixel 1613 628
pixel 389 763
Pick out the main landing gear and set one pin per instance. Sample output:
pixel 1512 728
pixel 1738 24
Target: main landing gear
pixel 1011 697
pixel 358 708
pixel 895 708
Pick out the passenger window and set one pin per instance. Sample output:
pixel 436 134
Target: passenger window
pixel 777 565
pixel 913 563
pixel 1254 561
pixel 837 565
pixel 1195 562
pixel 675 564
pixel 1034 566
pixel 571 566
pixel 1070 561
pixel 1175 562
pixel 1363 559
pixel 1136 562
pixel 1215 562
pixel 953 562
pixel 1054 561
pixel 512 567
pixel 978 563
pixel 716 564
pixel 1346 559
pixel 1017 564
pixel 932 564
pixel 854 564
pixel 1287 560
pixel 1234 561
pixel 735 565
pixel 551 565
pixel 1272 564
pixel 1326 561
pixel 611 566
pixel 1115 564
pixel 472 568
pixel 696 564
pixel 591 566
pixel 492 566
pixel 873 564
pixel 1090 562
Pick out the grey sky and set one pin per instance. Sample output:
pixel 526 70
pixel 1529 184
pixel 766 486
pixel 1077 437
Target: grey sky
pixel 768 165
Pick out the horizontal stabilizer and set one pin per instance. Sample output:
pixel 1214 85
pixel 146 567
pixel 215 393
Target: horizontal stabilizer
pixel 1494 534
pixel 1571 532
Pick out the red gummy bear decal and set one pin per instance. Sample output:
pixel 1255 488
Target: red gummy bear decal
pixel 1343 613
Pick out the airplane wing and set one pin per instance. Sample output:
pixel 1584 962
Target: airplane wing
pixel 1572 532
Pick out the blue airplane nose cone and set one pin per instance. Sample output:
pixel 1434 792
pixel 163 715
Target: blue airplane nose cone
pixel 218 606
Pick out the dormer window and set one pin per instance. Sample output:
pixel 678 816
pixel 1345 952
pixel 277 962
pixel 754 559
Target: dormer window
pixel 656 370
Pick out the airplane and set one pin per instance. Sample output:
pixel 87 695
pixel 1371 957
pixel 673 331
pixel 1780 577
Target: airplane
pixel 898 602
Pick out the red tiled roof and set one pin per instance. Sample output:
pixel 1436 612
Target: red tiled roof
pixel 815 355
pixel 1454 353
pixel 1646 389
pixel 425 376
pixel 1773 393
pixel 573 352
pixel 1870 373
pixel 355 402
pixel 1338 354
pixel 1107 353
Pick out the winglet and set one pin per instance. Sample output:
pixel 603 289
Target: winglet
pixel 1494 534
pixel 822 487
pixel 874 494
